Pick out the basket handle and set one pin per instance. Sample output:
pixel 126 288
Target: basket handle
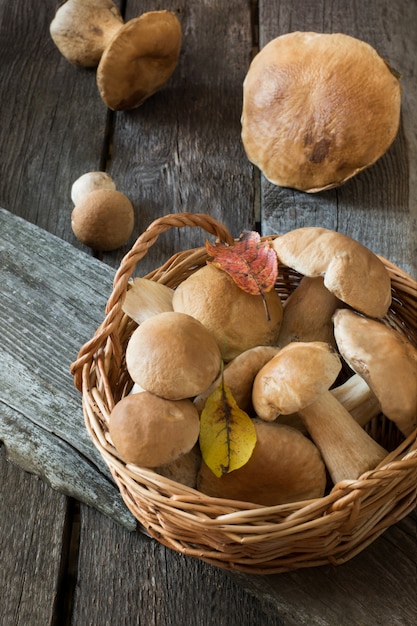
pixel 114 305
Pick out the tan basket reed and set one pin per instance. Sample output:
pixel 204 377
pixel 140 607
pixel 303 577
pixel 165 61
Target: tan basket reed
pixel 239 535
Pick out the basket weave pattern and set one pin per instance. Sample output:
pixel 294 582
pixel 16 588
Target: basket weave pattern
pixel 230 534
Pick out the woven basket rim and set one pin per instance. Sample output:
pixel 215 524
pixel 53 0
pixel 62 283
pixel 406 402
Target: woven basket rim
pixel 227 533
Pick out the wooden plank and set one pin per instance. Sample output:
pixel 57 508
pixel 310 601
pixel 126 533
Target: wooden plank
pixel 378 206
pixel 181 150
pixel 30 567
pixel 53 297
pixel 53 121
pixel 149 585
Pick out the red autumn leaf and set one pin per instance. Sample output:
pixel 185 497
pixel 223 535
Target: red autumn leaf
pixel 251 263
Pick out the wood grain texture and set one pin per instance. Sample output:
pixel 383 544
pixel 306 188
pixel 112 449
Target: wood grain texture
pixel 182 151
pixel 378 206
pixel 32 523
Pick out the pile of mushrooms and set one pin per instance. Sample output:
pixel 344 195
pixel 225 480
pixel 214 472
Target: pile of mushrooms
pixel 134 60
pixel 311 377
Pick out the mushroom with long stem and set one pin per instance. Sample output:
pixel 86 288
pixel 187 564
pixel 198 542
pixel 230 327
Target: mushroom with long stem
pixel 386 360
pixel 297 380
pixel 351 272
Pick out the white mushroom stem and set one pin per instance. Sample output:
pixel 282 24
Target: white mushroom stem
pixel 81 29
pixel 347 449
pixel 358 399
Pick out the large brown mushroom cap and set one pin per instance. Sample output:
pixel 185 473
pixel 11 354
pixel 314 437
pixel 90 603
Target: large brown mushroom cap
pixel 352 272
pixel 139 60
pixel 235 318
pixel 150 431
pixel 386 360
pixel 317 109
pixel 285 466
pixel 173 356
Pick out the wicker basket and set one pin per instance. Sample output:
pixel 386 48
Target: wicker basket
pixel 230 534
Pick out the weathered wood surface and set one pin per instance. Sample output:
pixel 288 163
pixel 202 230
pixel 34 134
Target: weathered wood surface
pixel 64 563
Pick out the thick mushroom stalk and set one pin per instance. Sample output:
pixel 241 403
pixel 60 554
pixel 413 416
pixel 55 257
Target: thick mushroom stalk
pixel 81 29
pixel 386 360
pixel 297 379
pixel 308 313
pixel 357 398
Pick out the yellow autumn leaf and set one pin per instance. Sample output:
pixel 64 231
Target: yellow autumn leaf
pixel 227 434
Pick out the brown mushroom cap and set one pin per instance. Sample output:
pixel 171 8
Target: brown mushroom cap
pixel 81 29
pixel 294 378
pixel 173 356
pixel 285 466
pixel 352 272
pixel 317 109
pixel 386 360
pixel 235 318
pixel 139 60
pixel 103 219
pixel 149 431
pixel 239 375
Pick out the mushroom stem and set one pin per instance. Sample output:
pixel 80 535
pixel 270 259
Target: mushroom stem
pixel 82 29
pixel 358 399
pixel 347 449
pixel 308 313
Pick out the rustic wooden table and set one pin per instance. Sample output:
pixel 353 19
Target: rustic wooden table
pixel 61 561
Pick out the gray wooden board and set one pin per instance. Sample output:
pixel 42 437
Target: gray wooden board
pixel 52 299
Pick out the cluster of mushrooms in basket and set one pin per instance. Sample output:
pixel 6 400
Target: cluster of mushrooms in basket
pixel 306 373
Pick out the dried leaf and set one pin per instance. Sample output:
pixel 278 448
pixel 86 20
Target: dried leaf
pixel 252 263
pixel 227 434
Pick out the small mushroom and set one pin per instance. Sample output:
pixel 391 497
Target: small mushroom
pixel 234 317
pixel 297 379
pixel 150 431
pixel 239 375
pixel 352 272
pixel 103 219
pixel 285 466
pixel 81 29
pixel 173 356
pixel 139 60
pixel 386 360
pixel 308 313
pixel 90 181
pixel 317 109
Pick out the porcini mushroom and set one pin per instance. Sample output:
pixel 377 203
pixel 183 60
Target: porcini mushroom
pixel 90 181
pixel 81 29
pixel 297 379
pixel 150 431
pixel 307 313
pixel 317 109
pixel 235 318
pixel 352 272
pixel 139 60
pixel 239 375
pixel 103 219
pixel 285 466
pixel 386 360
pixel 173 355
